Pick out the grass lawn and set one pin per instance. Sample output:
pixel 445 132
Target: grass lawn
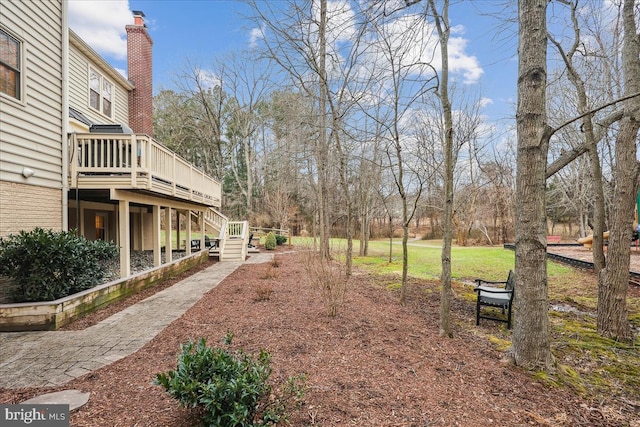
pixel 468 263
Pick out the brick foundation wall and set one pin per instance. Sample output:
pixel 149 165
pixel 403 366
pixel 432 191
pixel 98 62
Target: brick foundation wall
pixel 25 207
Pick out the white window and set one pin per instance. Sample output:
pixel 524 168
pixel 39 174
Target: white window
pixel 100 93
pixel 10 65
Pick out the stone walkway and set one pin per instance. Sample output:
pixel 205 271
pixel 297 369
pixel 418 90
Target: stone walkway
pixel 52 358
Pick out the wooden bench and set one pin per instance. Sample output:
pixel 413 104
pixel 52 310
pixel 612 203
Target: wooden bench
pixel 495 295
pixel 554 239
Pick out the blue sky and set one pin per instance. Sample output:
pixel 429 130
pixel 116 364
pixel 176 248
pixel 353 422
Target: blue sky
pixel 203 30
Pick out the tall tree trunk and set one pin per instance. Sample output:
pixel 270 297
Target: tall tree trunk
pixel 531 346
pixel 344 183
pixel 363 230
pixel 442 25
pixel 322 151
pixel 598 200
pixel 368 173
pixel 405 216
pixel 614 278
pixel 390 239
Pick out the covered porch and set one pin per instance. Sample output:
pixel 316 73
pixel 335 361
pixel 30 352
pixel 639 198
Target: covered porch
pixel 130 189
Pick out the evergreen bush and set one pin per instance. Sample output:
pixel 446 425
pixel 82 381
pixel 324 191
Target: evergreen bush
pixel 280 239
pixel 270 241
pixel 230 389
pixel 45 265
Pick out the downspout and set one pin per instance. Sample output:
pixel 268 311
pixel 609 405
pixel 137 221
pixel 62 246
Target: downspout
pixel 74 147
pixel 65 117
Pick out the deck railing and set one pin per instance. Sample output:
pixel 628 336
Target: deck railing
pixel 137 162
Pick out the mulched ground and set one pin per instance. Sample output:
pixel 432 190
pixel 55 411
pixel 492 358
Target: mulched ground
pixel 376 363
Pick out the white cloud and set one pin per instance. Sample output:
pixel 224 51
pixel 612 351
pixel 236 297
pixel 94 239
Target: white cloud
pixel 208 79
pixel 460 61
pixel 416 41
pixel 458 29
pixel 340 20
pixel 101 24
pixel 255 35
pixel 121 71
pixel 484 102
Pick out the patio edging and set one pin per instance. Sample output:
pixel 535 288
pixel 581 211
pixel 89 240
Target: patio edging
pixel 52 315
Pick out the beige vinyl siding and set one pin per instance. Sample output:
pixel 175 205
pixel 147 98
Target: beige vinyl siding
pixel 79 90
pixel 77 81
pixel 31 133
pixel 121 105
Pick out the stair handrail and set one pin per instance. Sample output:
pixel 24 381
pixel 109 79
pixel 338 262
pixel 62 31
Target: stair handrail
pixel 239 230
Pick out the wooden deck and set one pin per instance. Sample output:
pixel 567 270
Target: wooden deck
pixel 137 162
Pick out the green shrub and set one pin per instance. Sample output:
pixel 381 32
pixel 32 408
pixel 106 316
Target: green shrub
pixel 270 241
pixel 45 265
pixel 280 239
pixel 230 389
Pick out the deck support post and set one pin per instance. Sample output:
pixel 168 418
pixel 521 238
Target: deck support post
pixel 157 254
pixel 124 238
pixel 167 235
pixel 187 242
pixel 203 231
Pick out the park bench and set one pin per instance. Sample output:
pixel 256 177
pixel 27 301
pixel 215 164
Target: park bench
pixel 495 295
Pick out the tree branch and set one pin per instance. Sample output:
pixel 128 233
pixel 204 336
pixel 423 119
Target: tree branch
pixel 592 111
pixel 569 156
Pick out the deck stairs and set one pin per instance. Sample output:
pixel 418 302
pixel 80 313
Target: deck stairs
pixel 233 236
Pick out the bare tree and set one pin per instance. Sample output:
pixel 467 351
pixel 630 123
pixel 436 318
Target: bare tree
pixel 370 173
pixel 403 81
pixel 455 133
pixel 318 44
pixel 590 133
pixel 287 168
pixel 614 279
pixel 191 122
pixel 247 82
pixel 210 120
pixel 443 28
pixel 496 195
pixel 294 37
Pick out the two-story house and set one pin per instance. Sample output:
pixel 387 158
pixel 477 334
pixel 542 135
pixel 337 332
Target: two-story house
pixel 77 148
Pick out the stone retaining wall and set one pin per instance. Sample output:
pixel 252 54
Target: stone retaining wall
pixel 51 315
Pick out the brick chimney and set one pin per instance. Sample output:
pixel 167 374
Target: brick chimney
pixel 139 47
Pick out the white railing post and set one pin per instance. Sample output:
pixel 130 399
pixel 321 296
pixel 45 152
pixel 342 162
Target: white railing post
pixel 149 152
pixel 173 174
pixel 190 181
pixel 73 169
pixel 245 239
pixel 134 161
